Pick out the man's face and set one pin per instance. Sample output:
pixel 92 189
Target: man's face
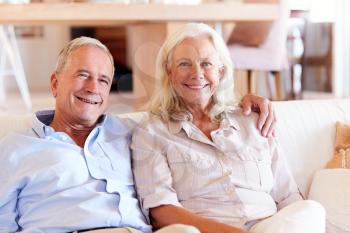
pixel 82 88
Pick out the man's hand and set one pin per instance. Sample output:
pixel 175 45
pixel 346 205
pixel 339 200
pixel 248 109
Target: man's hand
pixel 263 106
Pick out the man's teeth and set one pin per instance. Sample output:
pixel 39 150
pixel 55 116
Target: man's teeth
pixel 87 101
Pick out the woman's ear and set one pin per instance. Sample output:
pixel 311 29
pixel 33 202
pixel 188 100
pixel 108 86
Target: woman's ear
pixel 222 71
pixel 167 69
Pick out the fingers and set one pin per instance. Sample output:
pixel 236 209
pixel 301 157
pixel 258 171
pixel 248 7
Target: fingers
pixel 266 110
pixel 267 120
pixel 247 105
pixel 269 127
pixel 246 109
pixel 272 130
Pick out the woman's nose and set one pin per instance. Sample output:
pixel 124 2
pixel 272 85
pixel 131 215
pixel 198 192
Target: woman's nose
pixel 197 71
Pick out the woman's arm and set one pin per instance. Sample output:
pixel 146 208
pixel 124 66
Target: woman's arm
pixel 285 190
pixel 165 215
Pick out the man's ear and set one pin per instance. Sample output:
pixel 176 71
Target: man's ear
pixel 54 84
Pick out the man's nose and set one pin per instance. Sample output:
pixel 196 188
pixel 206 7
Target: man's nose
pixel 92 85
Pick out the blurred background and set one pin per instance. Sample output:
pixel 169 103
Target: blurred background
pixel 304 53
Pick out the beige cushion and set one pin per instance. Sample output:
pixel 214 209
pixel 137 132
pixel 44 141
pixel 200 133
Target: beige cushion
pixel 331 188
pixel 306 134
pixel 14 122
pixel 341 156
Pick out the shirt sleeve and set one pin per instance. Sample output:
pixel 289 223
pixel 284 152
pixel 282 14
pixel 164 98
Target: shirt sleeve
pixel 285 190
pixel 8 195
pixel 151 171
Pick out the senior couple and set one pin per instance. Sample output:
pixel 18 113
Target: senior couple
pixel 199 163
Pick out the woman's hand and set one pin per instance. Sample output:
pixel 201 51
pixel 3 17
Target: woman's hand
pixel 166 215
pixel 263 106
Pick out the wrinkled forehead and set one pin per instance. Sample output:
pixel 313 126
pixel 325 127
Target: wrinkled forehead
pixel 88 51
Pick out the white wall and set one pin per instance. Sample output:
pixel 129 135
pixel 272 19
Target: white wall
pixel 39 57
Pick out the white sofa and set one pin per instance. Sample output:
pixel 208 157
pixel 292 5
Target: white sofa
pixel 306 131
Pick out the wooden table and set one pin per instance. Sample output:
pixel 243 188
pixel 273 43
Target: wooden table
pixel 148 25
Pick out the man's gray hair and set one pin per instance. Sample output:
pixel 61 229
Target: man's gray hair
pixel 166 102
pixel 73 45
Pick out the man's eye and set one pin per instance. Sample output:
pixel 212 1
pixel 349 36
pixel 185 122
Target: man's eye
pixel 83 75
pixel 104 81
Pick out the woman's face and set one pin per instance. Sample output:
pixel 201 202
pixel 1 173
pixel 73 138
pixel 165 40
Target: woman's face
pixel 195 70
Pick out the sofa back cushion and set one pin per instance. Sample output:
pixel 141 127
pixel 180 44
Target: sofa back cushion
pixel 13 122
pixel 306 131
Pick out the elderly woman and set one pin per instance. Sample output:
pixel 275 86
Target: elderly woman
pixel 198 161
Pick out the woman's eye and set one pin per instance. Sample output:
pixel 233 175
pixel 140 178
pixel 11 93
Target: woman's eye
pixel 206 64
pixel 184 64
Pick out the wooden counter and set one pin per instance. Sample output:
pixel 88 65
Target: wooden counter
pixel 112 14
pixel 148 25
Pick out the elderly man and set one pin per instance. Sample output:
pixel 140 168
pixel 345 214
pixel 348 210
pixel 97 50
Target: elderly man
pixel 71 171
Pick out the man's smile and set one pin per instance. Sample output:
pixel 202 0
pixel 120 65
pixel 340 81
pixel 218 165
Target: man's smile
pixel 87 100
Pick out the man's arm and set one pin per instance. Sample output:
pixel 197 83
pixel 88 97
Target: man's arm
pixel 8 193
pixel 165 215
pixel 8 213
pixel 263 106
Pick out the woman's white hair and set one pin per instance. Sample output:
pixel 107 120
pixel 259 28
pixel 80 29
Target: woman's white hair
pixel 73 45
pixel 166 102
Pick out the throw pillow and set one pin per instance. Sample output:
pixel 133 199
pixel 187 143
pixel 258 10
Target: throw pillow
pixel 341 158
pixel 331 188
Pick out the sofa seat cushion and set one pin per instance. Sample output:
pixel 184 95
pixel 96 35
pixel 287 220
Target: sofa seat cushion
pixel 331 187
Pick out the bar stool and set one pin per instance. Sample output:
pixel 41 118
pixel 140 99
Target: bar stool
pixel 9 52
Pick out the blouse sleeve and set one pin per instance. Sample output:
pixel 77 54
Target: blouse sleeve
pixel 285 190
pixel 152 175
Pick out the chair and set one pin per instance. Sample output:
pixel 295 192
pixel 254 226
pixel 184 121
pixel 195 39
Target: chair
pixel 9 52
pixel 270 56
pixel 324 60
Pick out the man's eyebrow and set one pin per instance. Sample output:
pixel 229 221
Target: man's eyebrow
pixel 82 71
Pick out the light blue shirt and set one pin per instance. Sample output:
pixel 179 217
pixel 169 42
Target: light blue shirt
pixel 50 184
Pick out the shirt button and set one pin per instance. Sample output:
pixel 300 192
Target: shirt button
pixel 228 172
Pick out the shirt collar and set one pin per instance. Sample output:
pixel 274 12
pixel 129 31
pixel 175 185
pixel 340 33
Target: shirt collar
pixel 225 123
pixel 42 120
pixel 175 126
